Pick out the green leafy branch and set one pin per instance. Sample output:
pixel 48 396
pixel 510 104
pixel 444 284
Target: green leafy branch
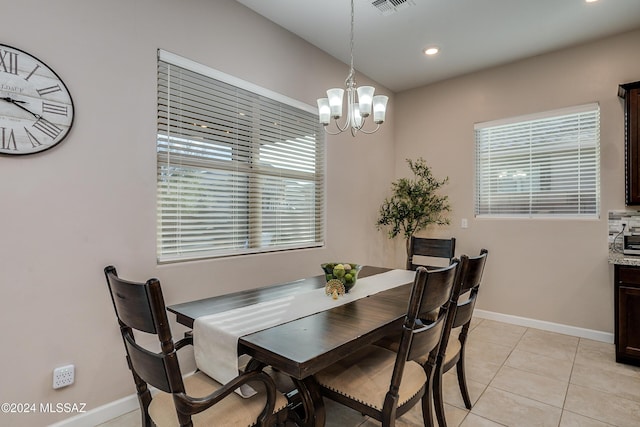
pixel 415 203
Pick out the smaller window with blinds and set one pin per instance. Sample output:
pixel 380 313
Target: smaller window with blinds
pixel 240 169
pixel 541 165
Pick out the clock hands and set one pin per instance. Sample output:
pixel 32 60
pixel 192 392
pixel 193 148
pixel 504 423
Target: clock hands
pixel 17 104
pixel 6 98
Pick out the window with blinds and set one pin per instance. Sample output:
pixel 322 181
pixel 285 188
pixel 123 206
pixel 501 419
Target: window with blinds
pixel 240 169
pixel 546 164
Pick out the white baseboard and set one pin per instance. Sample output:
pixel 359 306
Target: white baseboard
pixel 101 414
pixel 127 404
pixel 546 326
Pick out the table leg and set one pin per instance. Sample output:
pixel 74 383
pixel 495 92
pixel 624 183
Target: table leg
pixel 254 365
pixel 312 412
pixel 306 406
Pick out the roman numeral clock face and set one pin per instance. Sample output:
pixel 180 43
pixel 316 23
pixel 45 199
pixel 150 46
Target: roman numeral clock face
pixel 36 110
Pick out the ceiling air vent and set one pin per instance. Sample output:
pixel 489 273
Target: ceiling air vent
pixel 387 7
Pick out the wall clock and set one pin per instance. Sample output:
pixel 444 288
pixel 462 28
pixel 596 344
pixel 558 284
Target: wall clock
pixel 36 109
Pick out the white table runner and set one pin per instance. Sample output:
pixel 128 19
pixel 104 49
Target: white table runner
pixel 215 337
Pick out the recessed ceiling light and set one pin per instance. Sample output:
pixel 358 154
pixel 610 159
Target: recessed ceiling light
pixel 590 1
pixel 431 50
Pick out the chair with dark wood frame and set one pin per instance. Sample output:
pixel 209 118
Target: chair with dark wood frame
pixel 196 399
pixel 433 248
pixel 452 351
pixel 384 384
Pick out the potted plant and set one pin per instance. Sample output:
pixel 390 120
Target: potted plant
pixel 415 203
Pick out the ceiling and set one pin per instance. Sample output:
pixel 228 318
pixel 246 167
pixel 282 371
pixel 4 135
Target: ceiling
pixel 471 34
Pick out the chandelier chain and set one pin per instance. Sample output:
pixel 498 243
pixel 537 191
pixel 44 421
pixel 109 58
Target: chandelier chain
pixel 351 76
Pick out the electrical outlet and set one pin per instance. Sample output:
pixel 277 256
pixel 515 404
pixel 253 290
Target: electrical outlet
pixel 63 376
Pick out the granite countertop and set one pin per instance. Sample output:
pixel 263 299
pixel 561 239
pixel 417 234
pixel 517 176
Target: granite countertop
pixel 622 259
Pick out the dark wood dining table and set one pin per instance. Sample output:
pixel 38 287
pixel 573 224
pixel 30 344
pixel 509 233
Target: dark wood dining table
pixel 303 347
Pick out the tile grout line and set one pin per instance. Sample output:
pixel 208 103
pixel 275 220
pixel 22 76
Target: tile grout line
pixel 566 394
pixel 573 360
pixel 492 378
pixel 573 364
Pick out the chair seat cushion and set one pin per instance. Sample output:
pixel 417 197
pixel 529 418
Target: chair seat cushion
pixel 453 349
pixel 230 411
pixel 365 377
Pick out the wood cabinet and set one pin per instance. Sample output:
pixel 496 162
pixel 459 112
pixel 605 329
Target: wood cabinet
pixel 630 92
pixel 627 312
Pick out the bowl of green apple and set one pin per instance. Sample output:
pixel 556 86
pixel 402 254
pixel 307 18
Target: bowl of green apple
pixel 345 272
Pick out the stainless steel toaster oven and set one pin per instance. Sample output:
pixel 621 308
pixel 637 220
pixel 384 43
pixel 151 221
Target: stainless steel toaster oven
pixel 631 244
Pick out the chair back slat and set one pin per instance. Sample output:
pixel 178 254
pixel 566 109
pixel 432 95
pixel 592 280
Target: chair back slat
pixel 425 339
pixel 131 302
pixel 470 276
pixel 437 290
pixel 473 275
pixel 433 248
pixel 151 367
pixel 442 248
pixel 464 312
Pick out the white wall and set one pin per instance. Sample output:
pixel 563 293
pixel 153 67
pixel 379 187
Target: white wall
pixel 549 270
pixel 90 202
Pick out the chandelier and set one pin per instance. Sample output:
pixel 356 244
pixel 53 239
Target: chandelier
pixel 357 112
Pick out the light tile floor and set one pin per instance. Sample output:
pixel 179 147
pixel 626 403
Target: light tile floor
pixel 521 377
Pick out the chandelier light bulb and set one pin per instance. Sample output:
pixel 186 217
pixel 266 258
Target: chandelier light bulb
pixel 324 111
pixel 365 99
pixel 335 96
pixel 356 116
pixel 379 108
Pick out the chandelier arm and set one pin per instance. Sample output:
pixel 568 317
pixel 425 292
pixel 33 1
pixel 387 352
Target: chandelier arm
pixel 370 131
pixel 331 133
pixel 340 128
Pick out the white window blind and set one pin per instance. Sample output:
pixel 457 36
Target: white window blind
pixel 239 169
pixel 546 164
